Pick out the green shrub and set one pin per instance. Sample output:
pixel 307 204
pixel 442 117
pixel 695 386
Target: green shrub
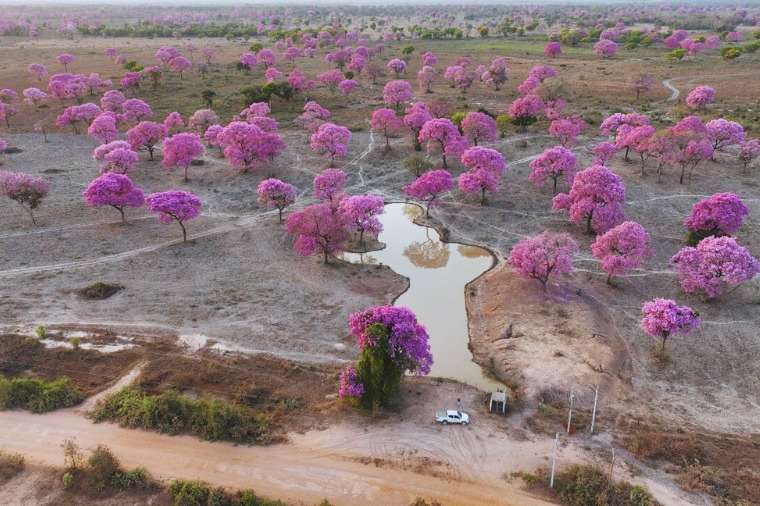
pixel 502 124
pixel 41 331
pixel 135 478
pixel 189 493
pixel 37 395
pixel 457 118
pixel 102 468
pixel 584 485
pixel 173 413
pixel 417 164
pixel 68 480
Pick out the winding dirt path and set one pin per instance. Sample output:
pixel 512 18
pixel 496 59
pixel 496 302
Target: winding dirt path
pixel 674 92
pixel 307 470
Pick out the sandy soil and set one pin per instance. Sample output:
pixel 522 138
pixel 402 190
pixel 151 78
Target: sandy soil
pixel 338 464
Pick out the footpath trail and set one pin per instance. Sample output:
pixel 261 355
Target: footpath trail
pixel 297 472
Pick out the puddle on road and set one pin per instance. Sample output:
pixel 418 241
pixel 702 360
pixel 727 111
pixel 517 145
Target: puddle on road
pixel 437 272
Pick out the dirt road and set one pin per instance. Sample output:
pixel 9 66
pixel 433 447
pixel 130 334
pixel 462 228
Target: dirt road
pixel 294 472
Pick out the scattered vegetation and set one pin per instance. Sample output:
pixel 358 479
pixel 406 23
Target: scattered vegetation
pixel 10 465
pixel 197 493
pixel 37 395
pixel 101 473
pixel 585 485
pixel 174 413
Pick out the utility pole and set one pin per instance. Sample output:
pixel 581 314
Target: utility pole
pixel 593 414
pixel 570 412
pixel 554 459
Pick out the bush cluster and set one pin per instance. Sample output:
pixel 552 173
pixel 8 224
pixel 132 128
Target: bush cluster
pixel 37 395
pixel 173 413
pixel 197 493
pixel 585 485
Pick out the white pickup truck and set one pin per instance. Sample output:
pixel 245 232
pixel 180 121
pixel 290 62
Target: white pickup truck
pixel 452 416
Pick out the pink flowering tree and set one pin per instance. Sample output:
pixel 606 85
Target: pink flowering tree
pixel 696 151
pixel 397 66
pixel 179 65
pixel 543 256
pixel 596 198
pixel 104 127
pixel 276 194
pixel 65 59
pixel 636 139
pixel 329 184
pixel 392 343
pixel 479 127
pixel 566 130
pixel 175 205
pixel 662 318
pixel 485 168
pixel 318 230
pixel 524 111
pixel 330 139
pixel 27 190
pixel 425 77
pixel 173 122
pixel 135 109
pixel 112 100
pixel 700 97
pixel 146 134
pixel 605 48
pixel 415 117
pixel 361 213
pixel 604 152
pixel 441 133
pixel 622 248
pixel 714 265
pixel 119 159
pixel 552 49
pixel 724 133
pixel 429 186
pixel 386 121
pixel 396 93
pixel 748 152
pixel 38 70
pixel 245 145
pixel 718 215
pixel 554 163
pixel 180 150
pixel 115 190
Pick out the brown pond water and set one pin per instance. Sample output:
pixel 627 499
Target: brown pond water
pixel 437 272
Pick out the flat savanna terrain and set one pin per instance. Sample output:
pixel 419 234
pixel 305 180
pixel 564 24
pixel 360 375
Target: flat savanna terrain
pixel 237 282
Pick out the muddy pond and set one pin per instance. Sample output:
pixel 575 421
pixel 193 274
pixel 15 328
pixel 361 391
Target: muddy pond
pixel 438 272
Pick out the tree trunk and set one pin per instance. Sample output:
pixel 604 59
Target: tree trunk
pixel 482 196
pixel 31 214
pixel 683 172
pixel 184 232
pixel 150 152
pixel 279 213
pixel 589 230
pixel 121 211
pixel 186 180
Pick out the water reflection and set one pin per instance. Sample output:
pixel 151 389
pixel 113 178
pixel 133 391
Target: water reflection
pixel 437 272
